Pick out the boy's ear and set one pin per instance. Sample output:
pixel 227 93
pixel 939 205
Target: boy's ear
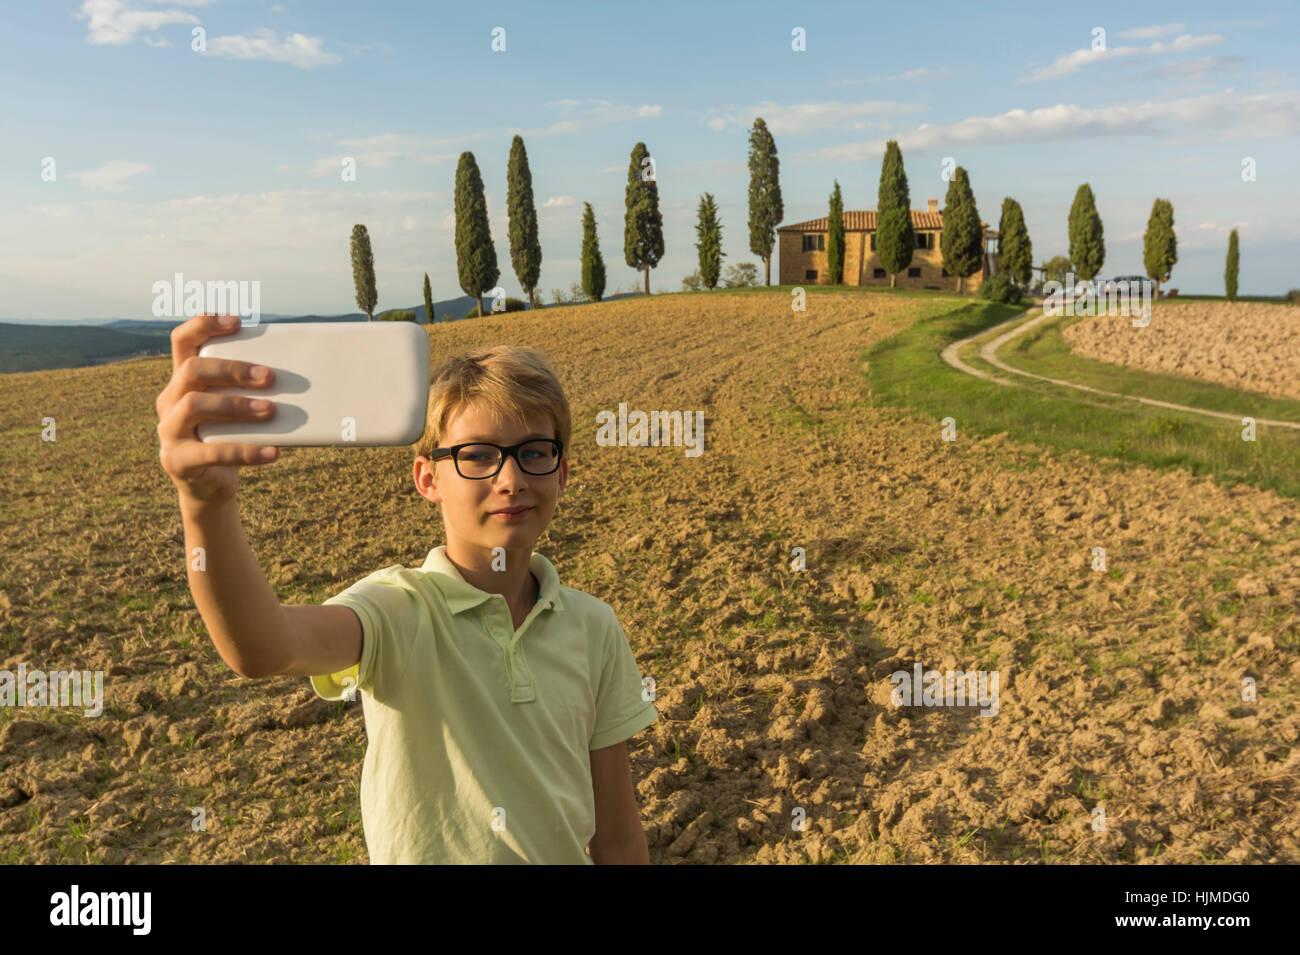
pixel 430 492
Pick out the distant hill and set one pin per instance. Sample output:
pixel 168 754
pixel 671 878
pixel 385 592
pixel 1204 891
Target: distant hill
pixel 40 345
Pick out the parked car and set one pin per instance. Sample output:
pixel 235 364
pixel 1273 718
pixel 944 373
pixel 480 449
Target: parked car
pixel 1133 283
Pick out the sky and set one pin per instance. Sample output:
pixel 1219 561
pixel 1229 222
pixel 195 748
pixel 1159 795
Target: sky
pixel 129 155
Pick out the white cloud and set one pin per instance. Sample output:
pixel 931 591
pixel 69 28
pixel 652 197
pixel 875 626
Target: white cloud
pixel 907 76
pixel 1196 69
pixel 558 202
pixel 591 113
pixel 1201 235
pixel 1069 63
pixel 107 177
pixel 263 44
pixel 388 149
pixel 1146 33
pixel 113 23
pixel 806 117
pixel 563 126
pixel 1214 117
pixel 333 165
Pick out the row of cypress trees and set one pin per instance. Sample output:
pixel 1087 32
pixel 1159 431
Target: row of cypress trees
pixel 476 257
pixel 643 240
pixel 1088 246
pixel 961 240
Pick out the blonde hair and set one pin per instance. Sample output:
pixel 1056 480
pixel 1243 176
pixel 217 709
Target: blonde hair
pixel 511 382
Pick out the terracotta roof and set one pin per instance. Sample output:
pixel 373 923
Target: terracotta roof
pixel 864 220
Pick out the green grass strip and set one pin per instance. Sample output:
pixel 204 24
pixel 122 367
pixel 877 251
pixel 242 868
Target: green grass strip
pixel 907 371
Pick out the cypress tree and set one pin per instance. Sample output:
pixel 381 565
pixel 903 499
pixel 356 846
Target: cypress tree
pixel 709 232
pixel 525 250
pixel 1159 244
pixel 476 258
pixel 363 272
pixel 962 239
pixel 765 207
pixel 895 237
pixel 1230 273
pixel 643 224
pixel 835 238
pixel 428 300
pixel 1015 251
pixel 1087 245
pixel 593 266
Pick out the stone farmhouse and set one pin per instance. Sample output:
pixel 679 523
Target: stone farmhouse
pixel 803 252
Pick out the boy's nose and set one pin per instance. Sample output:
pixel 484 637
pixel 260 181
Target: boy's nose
pixel 517 474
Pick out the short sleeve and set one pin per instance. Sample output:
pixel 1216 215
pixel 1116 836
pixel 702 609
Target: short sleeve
pixel 389 615
pixel 621 710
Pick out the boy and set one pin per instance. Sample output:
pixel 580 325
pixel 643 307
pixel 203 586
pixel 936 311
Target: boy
pixel 497 701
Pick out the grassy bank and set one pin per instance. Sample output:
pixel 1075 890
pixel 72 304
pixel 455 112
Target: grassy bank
pixel 907 371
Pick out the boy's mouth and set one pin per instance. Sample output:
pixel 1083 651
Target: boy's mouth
pixel 513 513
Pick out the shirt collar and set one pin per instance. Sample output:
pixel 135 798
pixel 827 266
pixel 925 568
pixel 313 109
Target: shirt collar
pixel 461 595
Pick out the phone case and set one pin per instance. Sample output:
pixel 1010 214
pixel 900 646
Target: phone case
pixel 336 384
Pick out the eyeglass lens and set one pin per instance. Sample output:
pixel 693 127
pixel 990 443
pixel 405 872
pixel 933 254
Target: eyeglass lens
pixel 482 460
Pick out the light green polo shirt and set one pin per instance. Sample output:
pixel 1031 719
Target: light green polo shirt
pixel 479 737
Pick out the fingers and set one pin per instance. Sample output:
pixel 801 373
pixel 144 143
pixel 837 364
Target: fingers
pixel 198 373
pixel 178 425
pixel 192 372
pixel 188 336
pixel 186 459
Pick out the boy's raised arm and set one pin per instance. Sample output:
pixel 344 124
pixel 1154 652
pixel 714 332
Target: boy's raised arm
pixel 251 630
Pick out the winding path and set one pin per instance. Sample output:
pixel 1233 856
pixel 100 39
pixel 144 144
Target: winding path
pixel 988 353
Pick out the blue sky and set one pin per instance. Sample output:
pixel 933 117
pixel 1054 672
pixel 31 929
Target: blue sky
pixel 225 165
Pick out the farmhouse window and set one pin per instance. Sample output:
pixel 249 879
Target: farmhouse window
pixel 913 273
pixel 814 243
pixel 810 275
pixel 879 273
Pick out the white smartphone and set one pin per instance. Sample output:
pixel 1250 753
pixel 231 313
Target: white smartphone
pixel 335 384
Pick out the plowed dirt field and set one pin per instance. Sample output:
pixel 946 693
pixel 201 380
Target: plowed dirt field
pixel 1120 690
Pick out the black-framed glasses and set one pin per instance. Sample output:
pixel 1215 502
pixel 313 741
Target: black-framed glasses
pixel 478 460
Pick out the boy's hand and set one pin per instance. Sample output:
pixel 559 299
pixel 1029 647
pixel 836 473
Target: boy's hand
pixel 206 473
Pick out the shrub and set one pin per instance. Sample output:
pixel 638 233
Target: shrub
pixel 396 315
pixel 1293 296
pixel 1000 288
pixel 740 275
pixel 512 305
pixel 575 296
